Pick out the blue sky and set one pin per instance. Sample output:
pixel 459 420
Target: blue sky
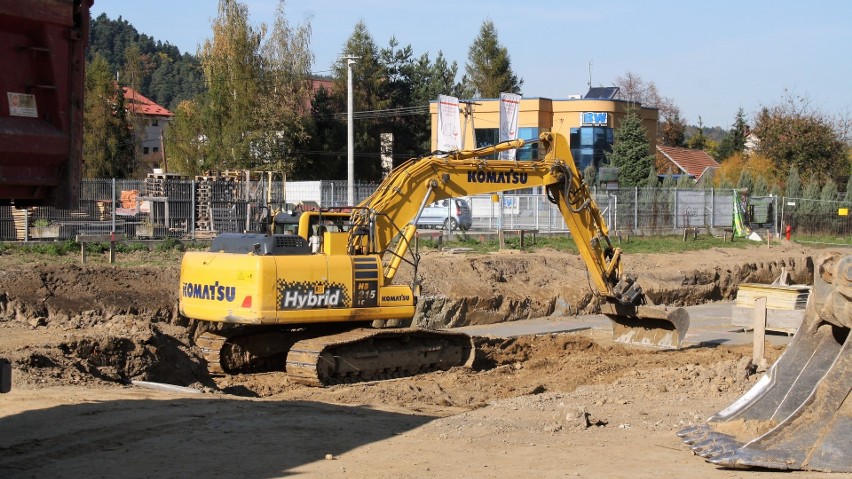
pixel 710 57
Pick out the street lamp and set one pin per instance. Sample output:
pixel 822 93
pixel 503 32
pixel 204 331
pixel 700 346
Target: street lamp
pixel 350 135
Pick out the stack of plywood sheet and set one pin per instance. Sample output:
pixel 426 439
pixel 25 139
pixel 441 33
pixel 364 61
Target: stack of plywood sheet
pixel 785 305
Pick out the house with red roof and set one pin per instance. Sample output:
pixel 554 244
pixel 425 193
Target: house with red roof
pixel 675 161
pixel 151 121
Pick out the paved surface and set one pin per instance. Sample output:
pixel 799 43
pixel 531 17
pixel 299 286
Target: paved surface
pixel 709 323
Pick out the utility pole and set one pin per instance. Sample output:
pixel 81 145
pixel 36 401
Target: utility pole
pixel 350 134
pixel 467 111
pixel 590 73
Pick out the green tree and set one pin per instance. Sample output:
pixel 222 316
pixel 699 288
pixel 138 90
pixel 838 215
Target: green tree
pixel 323 155
pixel 698 141
pixel 286 91
pixel 107 138
pixel 734 141
pixel 132 76
pixel 631 151
pixel 369 93
pixel 231 63
pixel 185 143
pixel 162 73
pixel 794 184
pixel 793 134
pixel 488 70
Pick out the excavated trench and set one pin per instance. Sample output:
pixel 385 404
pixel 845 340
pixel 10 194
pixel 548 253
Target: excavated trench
pixel 64 324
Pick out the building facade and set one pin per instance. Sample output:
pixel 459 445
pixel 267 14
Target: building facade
pixel 588 123
pixel 150 122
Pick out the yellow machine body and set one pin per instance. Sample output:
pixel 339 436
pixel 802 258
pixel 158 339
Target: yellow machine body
pixel 290 289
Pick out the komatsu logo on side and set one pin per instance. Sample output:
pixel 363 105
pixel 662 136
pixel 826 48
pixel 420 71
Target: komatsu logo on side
pixel 509 177
pixel 397 298
pixel 212 292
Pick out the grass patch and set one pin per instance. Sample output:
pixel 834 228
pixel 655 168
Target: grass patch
pixel 828 240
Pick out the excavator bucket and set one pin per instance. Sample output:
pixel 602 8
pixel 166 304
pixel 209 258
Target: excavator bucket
pixel 647 326
pixel 799 415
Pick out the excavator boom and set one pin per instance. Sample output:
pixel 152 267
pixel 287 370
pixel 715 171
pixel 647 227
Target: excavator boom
pixel 390 212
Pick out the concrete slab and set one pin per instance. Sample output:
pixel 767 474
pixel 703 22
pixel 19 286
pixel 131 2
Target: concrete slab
pixel 709 324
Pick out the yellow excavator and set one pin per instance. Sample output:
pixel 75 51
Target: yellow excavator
pixel 305 298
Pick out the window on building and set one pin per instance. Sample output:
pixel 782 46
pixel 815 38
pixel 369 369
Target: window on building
pixel 589 145
pixel 144 150
pixel 155 122
pixel 156 149
pixel 491 136
pixel 528 152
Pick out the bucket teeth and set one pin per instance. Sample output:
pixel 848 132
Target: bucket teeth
pixel 801 408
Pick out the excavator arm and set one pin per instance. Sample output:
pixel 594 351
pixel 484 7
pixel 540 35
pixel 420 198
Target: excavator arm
pixel 388 216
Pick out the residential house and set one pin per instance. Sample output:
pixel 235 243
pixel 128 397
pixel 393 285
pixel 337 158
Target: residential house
pixel 674 161
pixel 150 122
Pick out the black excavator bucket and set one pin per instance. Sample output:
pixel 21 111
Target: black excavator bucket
pixel 799 415
pixel 649 326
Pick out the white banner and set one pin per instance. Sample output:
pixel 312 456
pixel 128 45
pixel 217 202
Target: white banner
pixel 510 105
pixel 449 127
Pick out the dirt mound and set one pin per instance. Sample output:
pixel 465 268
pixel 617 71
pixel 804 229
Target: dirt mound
pixel 66 323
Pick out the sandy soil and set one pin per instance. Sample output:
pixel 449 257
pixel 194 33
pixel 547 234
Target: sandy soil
pixel 547 406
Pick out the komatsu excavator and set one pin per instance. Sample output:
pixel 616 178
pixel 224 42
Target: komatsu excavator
pixel 307 295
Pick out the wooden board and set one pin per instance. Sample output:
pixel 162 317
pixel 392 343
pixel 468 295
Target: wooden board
pixel 777 297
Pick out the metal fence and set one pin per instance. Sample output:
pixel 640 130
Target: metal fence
pixel 165 206
pixel 820 221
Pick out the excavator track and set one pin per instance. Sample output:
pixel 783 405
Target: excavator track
pixel 370 354
pixel 210 343
pixel 246 350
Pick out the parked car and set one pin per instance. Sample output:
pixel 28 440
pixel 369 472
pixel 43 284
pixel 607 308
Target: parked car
pixel 453 213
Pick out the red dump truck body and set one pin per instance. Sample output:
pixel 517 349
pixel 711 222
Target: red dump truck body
pixel 42 78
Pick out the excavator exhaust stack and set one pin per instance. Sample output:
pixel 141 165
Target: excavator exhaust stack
pixel 799 415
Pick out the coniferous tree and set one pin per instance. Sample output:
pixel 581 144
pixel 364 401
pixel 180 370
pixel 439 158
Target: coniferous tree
pixel 488 71
pixel 369 78
pixel 630 151
pixel 794 184
pixel 734 141
pixel 107 138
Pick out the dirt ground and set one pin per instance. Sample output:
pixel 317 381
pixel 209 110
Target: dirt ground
pixel 564 405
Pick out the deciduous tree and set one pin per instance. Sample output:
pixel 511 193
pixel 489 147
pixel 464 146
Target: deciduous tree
pixel 794 134
pixel 286 91
pixel 231 63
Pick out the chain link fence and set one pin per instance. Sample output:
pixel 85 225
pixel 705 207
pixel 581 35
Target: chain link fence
pixel 164 206
pixel 817 221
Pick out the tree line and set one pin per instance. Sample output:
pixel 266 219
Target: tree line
pixel 247 101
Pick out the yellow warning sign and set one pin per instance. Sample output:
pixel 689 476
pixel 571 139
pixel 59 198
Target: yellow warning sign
pixel 843 211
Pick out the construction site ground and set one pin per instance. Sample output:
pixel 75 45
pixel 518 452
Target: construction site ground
pixel 549 394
